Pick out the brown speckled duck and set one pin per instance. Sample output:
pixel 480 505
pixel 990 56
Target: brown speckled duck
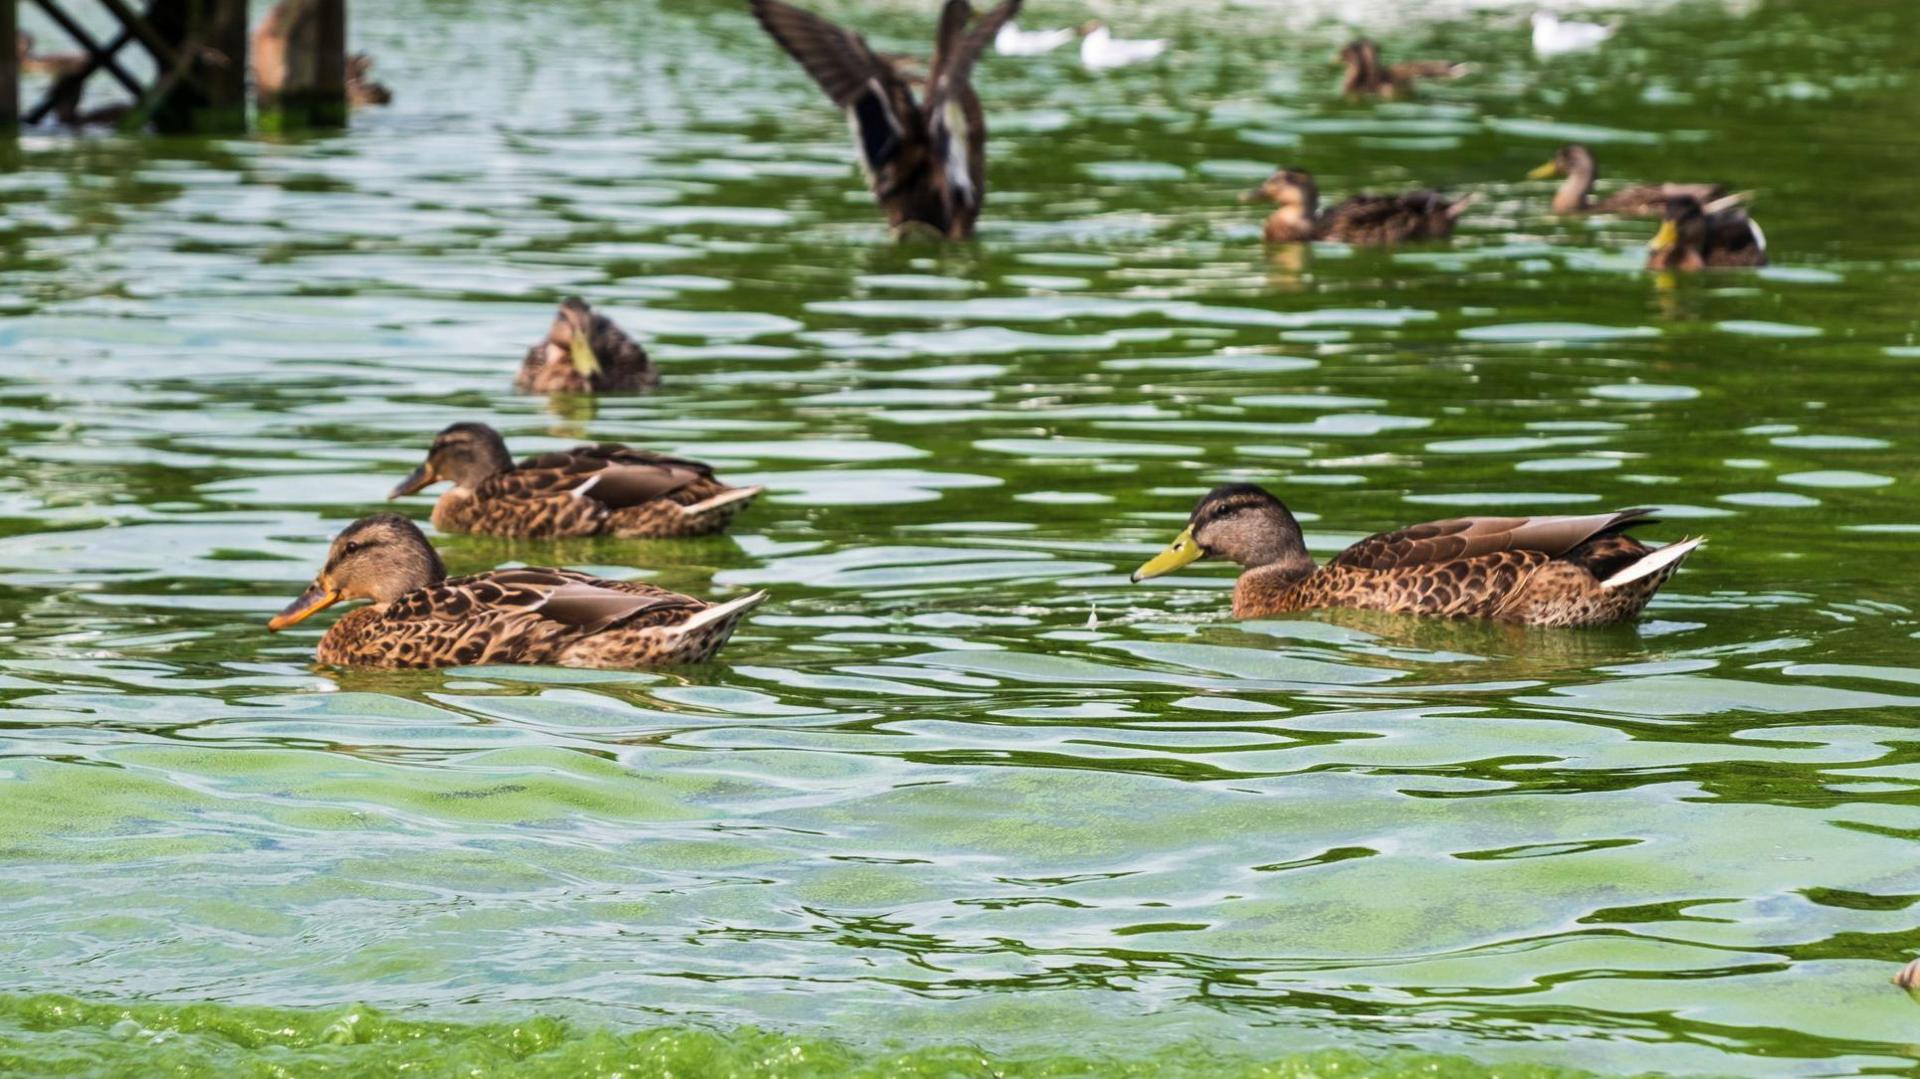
pixel 1718 234
pixel 1362 219
pixel 584 352
pixel 362 88
pixel 604 490
pixel 1575 195
pixel 925 160
pixel 1539 571
pixel 1367 77
pixel 419 617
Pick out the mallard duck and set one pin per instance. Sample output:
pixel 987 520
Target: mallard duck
pixel 362 88
pixel 1575 162
pixel 1695 236
pixel 584 352
pixel 1541 571
pixel 1368 77
pixel 1361 219
pixel 604 490
pixel 419 617
pixel 926 163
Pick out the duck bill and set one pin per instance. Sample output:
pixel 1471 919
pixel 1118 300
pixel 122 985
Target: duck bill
pixel 581 353
pixel 416 480
pixel 1666 238
pixel 318 597
pixel 1253 194
pixel 1183 551
pixel 1545 172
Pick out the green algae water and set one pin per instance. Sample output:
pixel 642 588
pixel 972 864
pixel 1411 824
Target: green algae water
pixel 959 799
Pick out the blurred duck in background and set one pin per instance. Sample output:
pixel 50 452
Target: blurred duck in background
pixel 1554 36
pixel 1101 51
pixel 1576 163
pixel 1696 236
pixel 1013 41
pixel 1368 76
pixel 1361 219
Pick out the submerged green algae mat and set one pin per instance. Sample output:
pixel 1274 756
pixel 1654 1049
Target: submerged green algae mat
pixel 960 793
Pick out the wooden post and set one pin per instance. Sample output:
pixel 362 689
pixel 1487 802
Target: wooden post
pixel 9 69
pixel 207 91
pixel 300 65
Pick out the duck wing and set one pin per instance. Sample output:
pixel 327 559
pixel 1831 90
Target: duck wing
pixel 1390 218
pixel 614 475
pixel 580 602
pixel 1438 542
pixel 957 126
pixel 878 102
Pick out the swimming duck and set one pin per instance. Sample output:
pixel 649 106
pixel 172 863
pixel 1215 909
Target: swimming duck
pixel 1101 51
pixel 585 352
pixel 1361 219
pixel 926 163
pixel 44 63
pixel 604 490
pixel 1540 571
pixel 419 617
pixel 1367 76
pixel 1576 163
pixel 1554 36
pixel 362 89
pixel 1694 236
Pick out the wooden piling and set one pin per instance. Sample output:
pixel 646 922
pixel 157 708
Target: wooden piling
pixel 300 65
pixel 205 88
pixel 9 69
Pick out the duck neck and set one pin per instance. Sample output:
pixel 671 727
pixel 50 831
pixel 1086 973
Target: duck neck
pixel 1290 224
pixel 1575 189
pixel 1262 590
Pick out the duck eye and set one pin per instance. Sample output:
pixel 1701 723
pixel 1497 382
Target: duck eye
pixel 352 546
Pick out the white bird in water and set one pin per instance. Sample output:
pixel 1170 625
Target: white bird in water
pixel 1101 51
pixel 1013 41
pixel 1552 37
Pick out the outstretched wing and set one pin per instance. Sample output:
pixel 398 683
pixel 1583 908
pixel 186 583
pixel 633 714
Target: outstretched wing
pixel 1470 537
pixel 885 117
pixel 957 125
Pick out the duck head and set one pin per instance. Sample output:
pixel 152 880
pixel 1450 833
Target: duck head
pixel 378 558
pixel 465 454
pixel 1238 522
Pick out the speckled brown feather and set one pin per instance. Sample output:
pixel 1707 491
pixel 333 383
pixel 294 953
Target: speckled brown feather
pixel 532 616
pixel 1367 76
pixel 603 490
pixel 624 365
pixel 1389 219
pixel 1543 571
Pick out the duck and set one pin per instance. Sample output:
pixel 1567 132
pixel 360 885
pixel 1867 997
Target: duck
pixel 1696 235
pixel 1554 36
pixel 362 89
pixel 418 617
pixel 1367 77
pixel 584 352
pixel 925 160
pixel 1537 571
pixel 1013 41
pixel 602 490
pixel 45 63
pixel 1101 51
pixel 65 96
pixel 1361 219
pixel 1576 163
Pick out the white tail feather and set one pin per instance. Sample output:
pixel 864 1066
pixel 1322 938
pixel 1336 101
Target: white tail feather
pixel 728 611
pixel 720 501
pixel 1670 555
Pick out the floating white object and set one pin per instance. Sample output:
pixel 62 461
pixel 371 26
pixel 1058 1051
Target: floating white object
pixel 1013 41
pixel 1093 616
pixel 1101 51
pixel 1554 37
